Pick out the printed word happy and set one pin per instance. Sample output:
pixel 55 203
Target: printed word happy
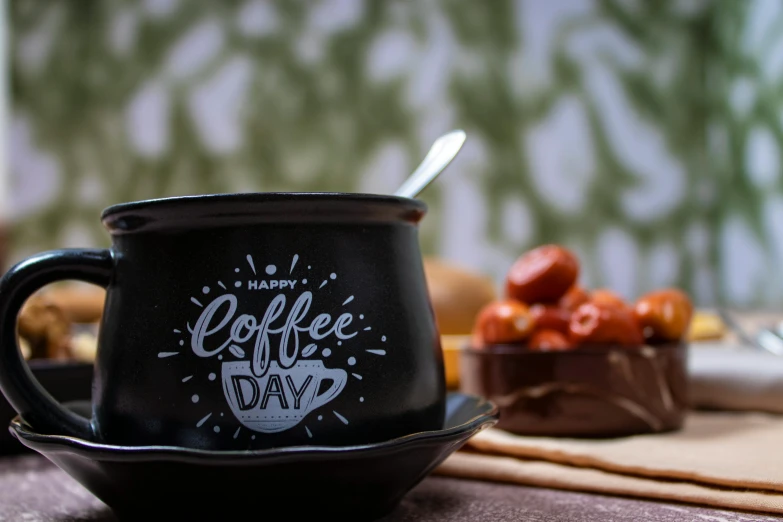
pixel 272 284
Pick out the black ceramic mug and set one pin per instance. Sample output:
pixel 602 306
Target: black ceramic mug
pixel 246 321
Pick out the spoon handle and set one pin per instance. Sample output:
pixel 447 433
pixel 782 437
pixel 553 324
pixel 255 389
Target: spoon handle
pixel 438 158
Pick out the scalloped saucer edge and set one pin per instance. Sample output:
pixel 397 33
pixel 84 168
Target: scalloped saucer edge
pixel 165 482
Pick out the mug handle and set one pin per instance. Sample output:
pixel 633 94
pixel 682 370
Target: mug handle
pixel 19 385
pixel 338 377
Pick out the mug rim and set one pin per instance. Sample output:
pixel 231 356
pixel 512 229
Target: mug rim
pixel 261 207
pixel 258 197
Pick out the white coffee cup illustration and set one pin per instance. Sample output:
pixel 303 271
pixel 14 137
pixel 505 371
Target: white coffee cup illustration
pixel 282 397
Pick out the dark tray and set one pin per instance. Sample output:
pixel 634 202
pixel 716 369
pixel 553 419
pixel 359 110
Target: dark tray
pixel 64 380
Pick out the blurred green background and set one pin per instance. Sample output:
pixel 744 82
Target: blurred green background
pixel 646 135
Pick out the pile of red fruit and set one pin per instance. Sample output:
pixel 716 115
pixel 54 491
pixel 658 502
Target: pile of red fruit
pixel 546 309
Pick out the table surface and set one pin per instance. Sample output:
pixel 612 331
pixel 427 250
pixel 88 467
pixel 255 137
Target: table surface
pixel 34 490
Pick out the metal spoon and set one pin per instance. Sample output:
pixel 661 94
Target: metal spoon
pixel 766 339
pixel 771 338
pixel 770 341
pixel 438 158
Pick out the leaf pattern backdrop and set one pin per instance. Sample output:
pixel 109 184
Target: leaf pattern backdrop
pixel 644 135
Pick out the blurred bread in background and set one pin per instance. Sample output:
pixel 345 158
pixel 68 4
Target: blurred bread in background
pixel 80 303
pixel 44 327
pixel 60 322
pixel 457 296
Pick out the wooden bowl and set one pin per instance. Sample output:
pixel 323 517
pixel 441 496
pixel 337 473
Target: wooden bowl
pixel 600 391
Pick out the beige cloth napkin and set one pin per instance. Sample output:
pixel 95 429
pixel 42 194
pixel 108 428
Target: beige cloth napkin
pixel 729 460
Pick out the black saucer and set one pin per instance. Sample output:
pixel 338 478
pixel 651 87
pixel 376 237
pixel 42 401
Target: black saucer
pixel 350 482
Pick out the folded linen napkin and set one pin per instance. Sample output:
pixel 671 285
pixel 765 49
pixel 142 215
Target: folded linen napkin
pixel 731 460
